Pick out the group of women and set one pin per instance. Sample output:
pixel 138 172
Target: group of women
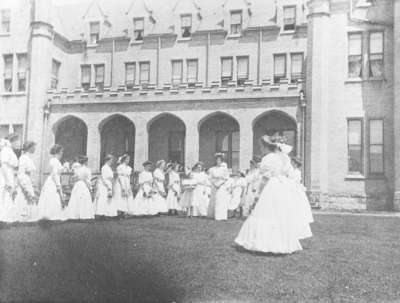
pixel 270 194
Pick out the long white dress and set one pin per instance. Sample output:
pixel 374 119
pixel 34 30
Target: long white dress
pixel 50 204
pixel 220 197
pixel 143 204
pixel 200 197
pixel 80 205
pixel 103 202
pixel 253 182
pixel 174 191
pixel 273 226
pixel 123 182
pixel 9 164
pixel 159 191
pixel 27 210
pixel 238 187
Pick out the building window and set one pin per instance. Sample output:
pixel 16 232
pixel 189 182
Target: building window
pixel 144 76
pixel 192 71
pixel 138 29
pixel 226 70
pixel 99 76
pixel 8 72
pixel 242 70
pixel 186 26
pixel 355 55
pixel 85 76
pixel 236 22
pixel 228 144
pixel 5 16
pixel 279 67
pixel 6 129
pixel 296 72
pixel 177 67
pixel 355 145
pixel 94 32
pixel 376 166
pixel 22 66
pixel 130 72
pixel 55 70
pixel 376 54
pixel 176 145
pixel 289 18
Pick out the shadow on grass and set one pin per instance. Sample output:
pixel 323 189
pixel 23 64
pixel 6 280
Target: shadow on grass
pixel 240 249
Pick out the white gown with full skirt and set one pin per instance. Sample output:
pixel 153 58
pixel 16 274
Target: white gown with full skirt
pixel 174 192
pixel 220 196
pixel 9 164
pixel 103 204
pixel 123 182
pixel 159 198
pixel 143 204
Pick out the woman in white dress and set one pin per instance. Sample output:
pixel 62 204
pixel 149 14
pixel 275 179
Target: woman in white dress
pixel 104 205
pixel 174 189
pixel 272 227
pixel 238 186
pixel 252 180
pixel 50 205
pixel 9 165
pixel 188 187
pixel 143 204
pixel 80 205
pixel 220 197
pixel 159 187
pixel 200 198
pixel 122 186
pixel 25 201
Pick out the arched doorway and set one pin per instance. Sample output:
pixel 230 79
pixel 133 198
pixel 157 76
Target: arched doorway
pixel 71 133
pixel 219 132
pixel 167 139
pixel 274 122
pixel 117 137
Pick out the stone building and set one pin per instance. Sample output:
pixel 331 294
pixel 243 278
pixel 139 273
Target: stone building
pixel 183 79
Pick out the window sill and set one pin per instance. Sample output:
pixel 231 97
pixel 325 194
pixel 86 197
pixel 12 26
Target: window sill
pixel 183 39
pixel 5 34
pixel 354 80
pixel 10 94
pixel 136 42
pixel 234 36
pixel 288 32
pixel 354 178
pixel 91 45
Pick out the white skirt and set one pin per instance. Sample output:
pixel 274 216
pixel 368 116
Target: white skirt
pixel 103 204
pixel 236 198
pixel 172 201
pixel 200 201
pixel 142 206
pixel 80 205
pixel 120 202
pixel 26 211
pixel 160 203
pixel 49 205
pixel 221 198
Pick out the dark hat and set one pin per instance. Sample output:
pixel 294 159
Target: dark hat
pixel 170 165
pixel 108 158
pixel 55 149
pixel 12 137
pixel 82 159
pixel 147 163
pixel 219 155
pixel 28 145
pixel 198 164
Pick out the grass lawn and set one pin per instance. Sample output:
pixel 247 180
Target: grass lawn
pixel 349 259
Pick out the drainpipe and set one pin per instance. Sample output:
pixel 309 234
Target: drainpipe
pixel 112 62
pixel 259 56
pixel 158 60
pixel 207 55
pixel 46 115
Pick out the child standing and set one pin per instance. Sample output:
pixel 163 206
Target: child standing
pixel 174 189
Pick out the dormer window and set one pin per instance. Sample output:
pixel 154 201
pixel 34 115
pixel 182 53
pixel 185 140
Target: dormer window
pixel 94 32
pixel 186 26
pixel 138 29
pixel 5 16
pixel 236 22
pixel 289 18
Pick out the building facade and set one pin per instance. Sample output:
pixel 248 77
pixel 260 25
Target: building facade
pixel 185 79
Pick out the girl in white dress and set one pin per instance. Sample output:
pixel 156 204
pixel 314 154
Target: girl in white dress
pixel 122 186
pixel 174 189
pixel 103 202
pixel 159 187
pixel 252 180
pixel 80 205
pixel 9 165
pixel 200 198
pixel 220 197
pixel 188 186
pixel 272 227
pixel 50 205
pixel 238 186
pixel 143 204
pixel 25 201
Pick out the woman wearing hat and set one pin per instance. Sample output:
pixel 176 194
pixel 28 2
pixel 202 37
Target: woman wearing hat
pixel 159 187
pixel 200 198
pixel 51 197
pixel 274 224
pixel 122 186
pixel 220 197
pixel 9 165
pixel 25 201
pixel 174 189
pixel 80 204
pixel 104 205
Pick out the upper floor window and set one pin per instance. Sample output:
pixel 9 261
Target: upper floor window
pixel 226 70
pixel 279 67
pixel 130 71
pixel 296 72
pixel 376 146
pixel 8 72
pixel 5 16
pixel 192 71
pixel 186 26
pixel 94 32
pixel 355 145
pixel 144 75
pixel 85 76
pixel 236 22
pixel 138 29
pixel 55 70
pixel 99 70
pixel 242 70
pixel 289 18
pixel 355 55
pixel 177 69
pixel 376 54
pixel 22 66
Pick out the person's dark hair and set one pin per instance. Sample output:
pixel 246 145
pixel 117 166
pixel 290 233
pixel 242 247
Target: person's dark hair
pixel 83 159
pixel 123 158
pixel 55 149
pixel 219 156
pixel 108 158
pixel 270 142
pixel 28 145
pixel 12 137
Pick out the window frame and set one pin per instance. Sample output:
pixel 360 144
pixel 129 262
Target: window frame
pixel 8 77
pixel 187 71
pixel 285 68
pixel 55 78
pixel 183 28
pixel 238 26
pixel 99 84
pixel 231 72
pixel 285 7
pixel 142 81
pixel 91 34
pixel 361 55
pixel 228 155
pixel 362 172
pixel 240 80
pixel 21 75
pixel 370 75
pixel 86 85
pixel 182 135
pixel 3 22
pixel 291 66
pixel 179 81
pixel 140 31
pixel 370 173
pixel 130 83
